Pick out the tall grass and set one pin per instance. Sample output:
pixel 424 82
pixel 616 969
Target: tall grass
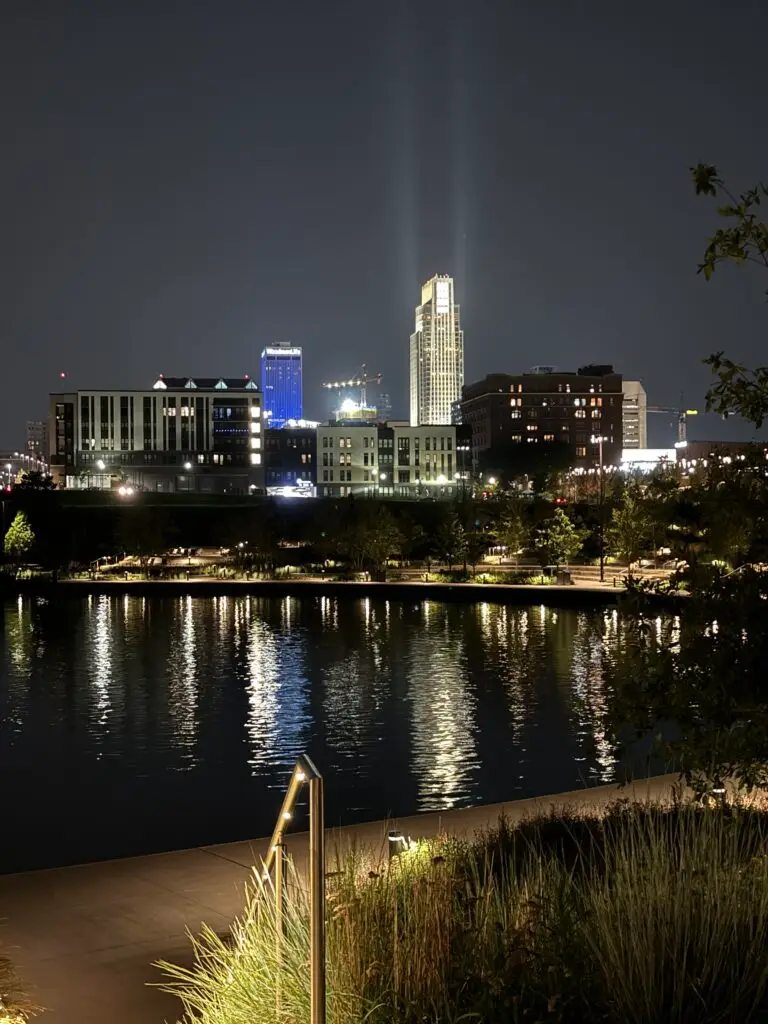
pixel 646 916
pixel 15 1007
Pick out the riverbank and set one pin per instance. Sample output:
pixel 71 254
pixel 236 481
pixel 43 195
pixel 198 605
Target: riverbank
pixel 84 937
pixel 580 595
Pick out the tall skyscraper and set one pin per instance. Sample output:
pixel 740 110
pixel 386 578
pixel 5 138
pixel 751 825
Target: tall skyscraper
pixel 281 383
pixel 437 354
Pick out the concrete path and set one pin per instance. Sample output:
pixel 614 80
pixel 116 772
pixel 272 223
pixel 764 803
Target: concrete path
pixel 84 937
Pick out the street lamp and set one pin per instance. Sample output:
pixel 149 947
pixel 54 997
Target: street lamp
pixel 187 466
pixel 598 440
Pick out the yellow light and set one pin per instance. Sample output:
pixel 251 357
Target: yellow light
pixel 287 815
pixel 301 776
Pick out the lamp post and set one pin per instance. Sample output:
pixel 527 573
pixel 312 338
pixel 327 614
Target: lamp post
pixel 601 503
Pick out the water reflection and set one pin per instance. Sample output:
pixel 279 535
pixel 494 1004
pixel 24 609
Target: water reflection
pixel 181 716
pixel 444 755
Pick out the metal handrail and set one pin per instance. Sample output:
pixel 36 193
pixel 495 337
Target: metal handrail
pixel 304 772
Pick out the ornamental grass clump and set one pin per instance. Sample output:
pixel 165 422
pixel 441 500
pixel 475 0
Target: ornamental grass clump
pixel 15 1006
pixel 644 915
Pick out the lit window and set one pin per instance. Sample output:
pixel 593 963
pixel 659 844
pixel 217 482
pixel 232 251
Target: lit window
pixel 581 452
pixel 255 412
pixel 549 437
pixel 255 459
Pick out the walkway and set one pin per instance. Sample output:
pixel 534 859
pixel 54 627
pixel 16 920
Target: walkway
pixel 85 937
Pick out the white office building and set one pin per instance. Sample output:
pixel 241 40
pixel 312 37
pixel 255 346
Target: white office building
pixel 436 354
pixel 392 461
pixel 183 434
pixel 634 413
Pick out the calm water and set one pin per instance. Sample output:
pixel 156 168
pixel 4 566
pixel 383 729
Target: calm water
pixel 130 724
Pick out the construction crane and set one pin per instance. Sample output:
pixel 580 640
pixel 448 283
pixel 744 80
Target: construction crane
pixel 682 419
pixel 361 381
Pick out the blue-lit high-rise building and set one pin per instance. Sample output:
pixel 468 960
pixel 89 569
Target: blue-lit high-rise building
pixel 281 383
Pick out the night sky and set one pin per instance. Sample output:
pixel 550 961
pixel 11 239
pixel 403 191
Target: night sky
pixel 183 182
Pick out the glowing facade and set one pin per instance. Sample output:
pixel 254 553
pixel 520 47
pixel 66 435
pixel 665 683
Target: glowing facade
pixel 436 354
pixel 281 382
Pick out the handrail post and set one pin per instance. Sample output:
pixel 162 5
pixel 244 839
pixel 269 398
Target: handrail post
pixel 279 921
pixel 317 900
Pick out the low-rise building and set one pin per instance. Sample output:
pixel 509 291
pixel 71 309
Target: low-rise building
pixel 184 434
pixel 547 406
pixel 392 461
pixel 290 457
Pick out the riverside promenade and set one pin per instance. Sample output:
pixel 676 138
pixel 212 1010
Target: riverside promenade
pixel 84 937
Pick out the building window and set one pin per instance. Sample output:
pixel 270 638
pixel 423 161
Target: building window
pixel 580 414
pixel 515 414
pixel 325 442
pixel 532 414
pixel 579 401
pixel 516 437
pixel 549 437
pixel 581 452
pixel 365 442
pixel 596 414
pixel 532 426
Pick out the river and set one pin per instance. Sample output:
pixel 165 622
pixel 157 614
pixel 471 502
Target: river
pixel 133 724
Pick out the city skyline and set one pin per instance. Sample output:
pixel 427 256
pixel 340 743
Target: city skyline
pixel 183 190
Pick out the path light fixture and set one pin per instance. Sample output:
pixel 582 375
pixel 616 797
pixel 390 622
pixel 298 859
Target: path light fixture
pixel 304 772
pixel 398 843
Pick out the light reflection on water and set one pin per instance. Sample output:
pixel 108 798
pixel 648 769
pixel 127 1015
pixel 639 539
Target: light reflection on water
pixel 138 724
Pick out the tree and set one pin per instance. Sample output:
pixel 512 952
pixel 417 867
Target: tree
pixel 513 531
pixel 143 532
pixel 701 692
pixel 36 481
pixel 371 536
pixel 631 528
pixel 19 540
pixel 451 541
pixel 744 240
pixel 558 540
pixel 539 462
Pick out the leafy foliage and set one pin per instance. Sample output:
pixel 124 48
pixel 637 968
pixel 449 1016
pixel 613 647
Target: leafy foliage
pixel 699 685
pixel 19 540
pixel 558 539
pixel 36 481
pixel 631 527
pixel 513 530
pixel 451 543
pixel 745 240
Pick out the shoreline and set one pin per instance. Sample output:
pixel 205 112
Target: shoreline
pixel 575 595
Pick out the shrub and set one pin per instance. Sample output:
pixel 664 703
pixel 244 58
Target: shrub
pixel 646 916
